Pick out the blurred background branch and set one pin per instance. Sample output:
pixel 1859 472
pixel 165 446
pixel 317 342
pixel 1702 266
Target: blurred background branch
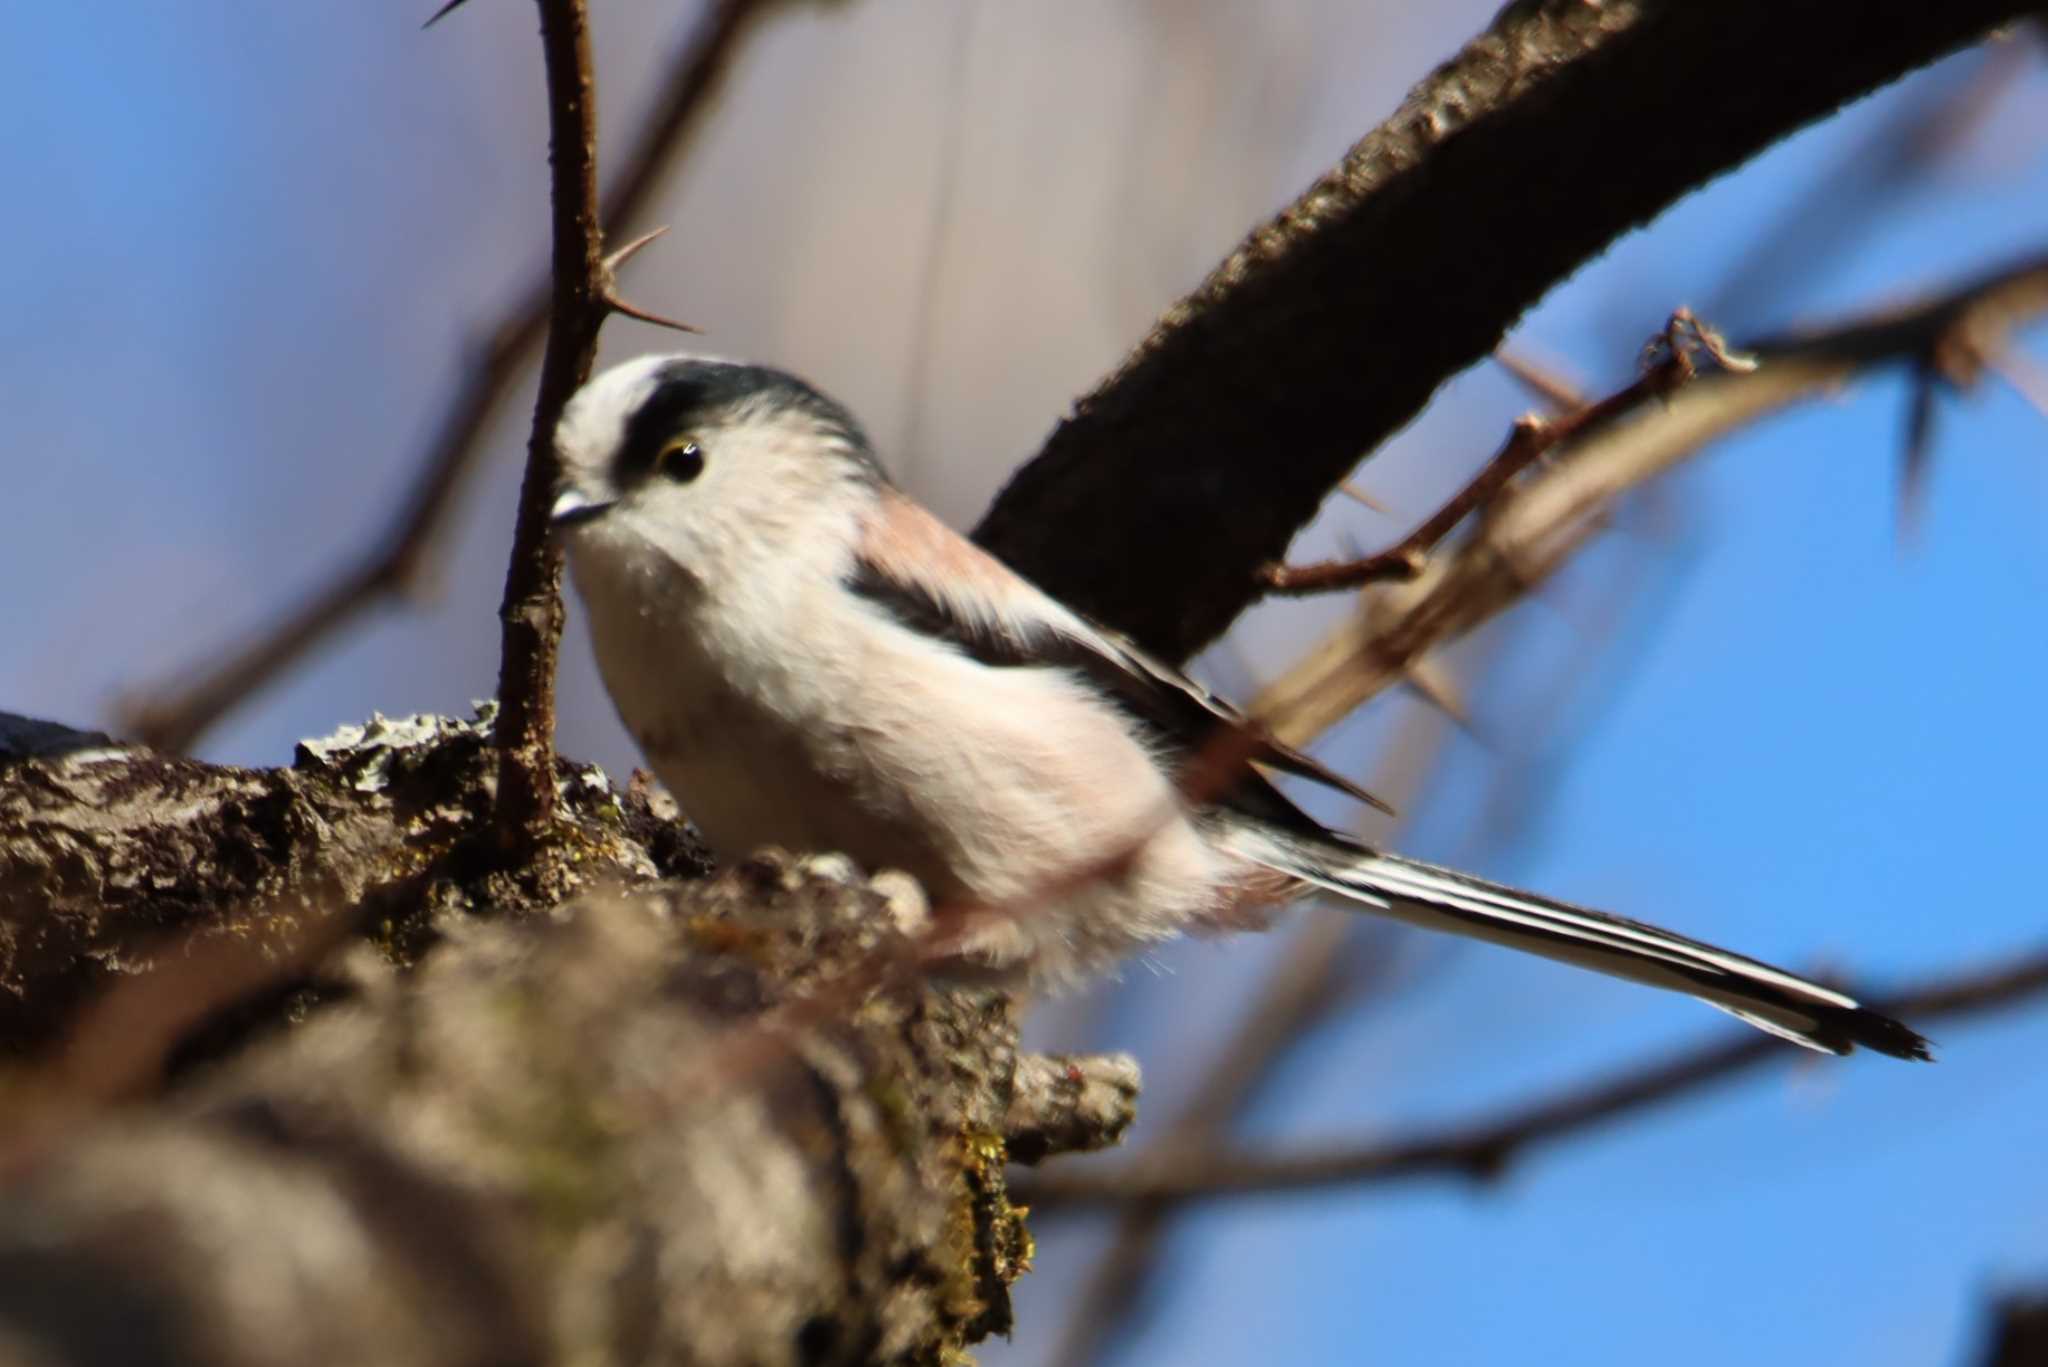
pixel 1483 1150
pixel 1182 403
pixel 1641 433
pixel 1669 365
pixel 173 716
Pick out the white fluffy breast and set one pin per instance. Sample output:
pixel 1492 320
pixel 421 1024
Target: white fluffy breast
pixel 792 713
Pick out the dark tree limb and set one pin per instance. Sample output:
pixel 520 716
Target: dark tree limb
pixel 1562 127
pixel 1485 1149
pixel 2019 1332
pixel 501 1159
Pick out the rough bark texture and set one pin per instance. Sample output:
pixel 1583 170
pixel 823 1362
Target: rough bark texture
pixel 1566 124
pixel 673 1124
pixel 110 853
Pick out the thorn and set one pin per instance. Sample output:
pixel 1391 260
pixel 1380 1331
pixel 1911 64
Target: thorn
pixel 1959 356
pixel 443 13
pixel 1435 685
pixel 608 274
pixel 618 305
pixel 1666 348
pixel 1358 495
pixel 1556 391
pixel 2022 375
pixel 631 249
pixel 1913 458
pixel 1715 345
pixel 1685 334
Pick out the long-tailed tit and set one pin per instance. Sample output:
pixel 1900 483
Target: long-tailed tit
pixel 810 659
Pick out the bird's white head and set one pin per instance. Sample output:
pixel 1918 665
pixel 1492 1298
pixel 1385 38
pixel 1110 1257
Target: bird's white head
pixel 723 467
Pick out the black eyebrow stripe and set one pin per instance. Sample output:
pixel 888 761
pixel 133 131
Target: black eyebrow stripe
pixel 692 393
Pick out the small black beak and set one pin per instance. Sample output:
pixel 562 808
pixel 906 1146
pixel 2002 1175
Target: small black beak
pixel 575 507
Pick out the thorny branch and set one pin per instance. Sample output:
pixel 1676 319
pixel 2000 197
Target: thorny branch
pixel 531 613
pixel 393 568
pixel 1482 1152
pixel 1668 363
pixel 1527 534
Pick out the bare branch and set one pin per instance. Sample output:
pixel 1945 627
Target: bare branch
pixel 1360 496
pixel 173 719
pixel 487 1160
pixel 530 615
pixel 1528 441
pixel 1561 127
pixel 1483 1150
pixel 1541 378
pixel 442 13
pixel 1300 989
pixel 1527 536
pixel 1315 977
pixel 2023 375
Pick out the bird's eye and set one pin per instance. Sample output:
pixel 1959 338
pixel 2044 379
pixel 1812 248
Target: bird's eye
pixel 682 460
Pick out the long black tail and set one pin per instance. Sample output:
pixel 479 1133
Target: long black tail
pixel 1443 899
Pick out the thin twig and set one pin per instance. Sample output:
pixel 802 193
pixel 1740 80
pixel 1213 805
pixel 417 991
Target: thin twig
pixel 1528 440
pixel 2021 374
pixel 172 719
pixel 531 612
pixel 1916 447
pixel 1544 379
pixel 1318 974
pixel 1354 491
pixel 1530 437
pixel 1298 992
pixel 1522 539
pixel 1294 999
pixel 1483 1150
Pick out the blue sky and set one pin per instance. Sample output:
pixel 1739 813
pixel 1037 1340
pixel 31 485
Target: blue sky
pixel 260 240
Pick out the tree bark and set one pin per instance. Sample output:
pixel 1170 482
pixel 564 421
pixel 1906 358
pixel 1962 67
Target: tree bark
pixel 681 1123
